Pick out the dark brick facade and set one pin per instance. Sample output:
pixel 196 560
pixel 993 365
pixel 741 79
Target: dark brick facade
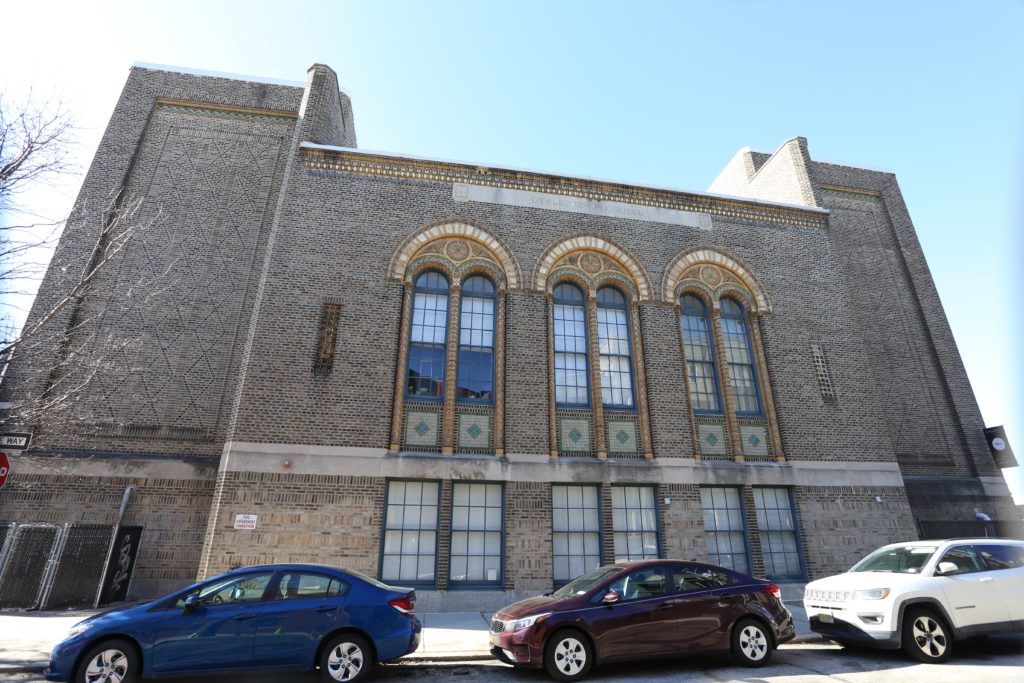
pixel 264 213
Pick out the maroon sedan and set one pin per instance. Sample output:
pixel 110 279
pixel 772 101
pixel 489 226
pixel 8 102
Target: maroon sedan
pixel 635 610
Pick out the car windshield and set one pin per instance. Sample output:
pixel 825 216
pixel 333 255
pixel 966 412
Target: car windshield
pixel 908 559
pixel 582 584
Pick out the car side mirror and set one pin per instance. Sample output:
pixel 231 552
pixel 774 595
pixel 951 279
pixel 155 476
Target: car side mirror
pixel 945 568
pixel 191 602
pixel 611 597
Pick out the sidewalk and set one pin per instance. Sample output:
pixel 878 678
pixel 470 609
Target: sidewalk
pixel 26 638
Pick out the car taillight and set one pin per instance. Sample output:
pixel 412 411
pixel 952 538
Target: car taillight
pixel 772 589
pixel 403 605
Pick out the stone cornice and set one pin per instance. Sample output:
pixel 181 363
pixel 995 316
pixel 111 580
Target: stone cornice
pixel 340 160
pixel 225 110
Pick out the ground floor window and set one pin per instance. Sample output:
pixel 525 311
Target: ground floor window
pixel 477 527
pixel 724 531
pixel 575 531
pixel 410 532
pixel 776 527
pixel 635 523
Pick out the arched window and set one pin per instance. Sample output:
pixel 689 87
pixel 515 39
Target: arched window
pixel 740 358
pixel 705 396
pixel 572 387
pixel 425 377
pixel 613 342
pixel 475 374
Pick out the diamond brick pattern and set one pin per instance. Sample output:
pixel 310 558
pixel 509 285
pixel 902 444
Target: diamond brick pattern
pixel 622 436
pixel 754 440
pixel 422 428
pixel 712 439
pixel 574 435
pixel 474 431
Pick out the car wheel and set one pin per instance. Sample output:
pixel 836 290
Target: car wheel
pixel 926 637
pixel 569 656
pixel 347 658
pixel 112 661
pixel 751 643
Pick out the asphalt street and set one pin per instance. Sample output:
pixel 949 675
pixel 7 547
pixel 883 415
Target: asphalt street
pixel 992 660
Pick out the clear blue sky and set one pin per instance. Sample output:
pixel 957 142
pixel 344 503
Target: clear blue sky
pixel 644 92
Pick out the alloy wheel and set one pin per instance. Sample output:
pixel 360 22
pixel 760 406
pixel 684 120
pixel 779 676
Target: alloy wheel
pixel 345 661
pixel 929 636
pixel 108 666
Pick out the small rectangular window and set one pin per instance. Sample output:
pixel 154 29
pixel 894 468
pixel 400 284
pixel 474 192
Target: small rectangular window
pixel 575 531
pixel 724 532
pixel 327 339
pixel 635 523
pixel 776 526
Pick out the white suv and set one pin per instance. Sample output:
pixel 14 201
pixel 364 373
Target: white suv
pixel 922 596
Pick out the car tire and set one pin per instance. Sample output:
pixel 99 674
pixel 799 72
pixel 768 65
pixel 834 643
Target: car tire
pixel 568 656
pixel 116 660
pixel 926 637
pixel 751 643
pixel 347 658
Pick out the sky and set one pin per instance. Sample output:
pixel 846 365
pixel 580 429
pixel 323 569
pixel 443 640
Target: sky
pixel 647 93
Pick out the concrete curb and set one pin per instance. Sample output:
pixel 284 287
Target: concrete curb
pixel 26 668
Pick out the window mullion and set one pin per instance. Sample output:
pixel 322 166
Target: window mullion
pixel 594 351
pixel 451 361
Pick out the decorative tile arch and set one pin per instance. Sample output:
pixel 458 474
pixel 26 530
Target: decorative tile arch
pixel 682 271
pixel 487 244
pixel 554 254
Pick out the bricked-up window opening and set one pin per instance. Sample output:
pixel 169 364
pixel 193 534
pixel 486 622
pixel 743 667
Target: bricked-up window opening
pixel 477 511
pixel 572 386
pixel 705 396
pixel 724 532
pixel 427 335
pixel 410 532
pixel 828 391
pixel 616 355
pixel 739 355
pixel 327 339
pixel 635 523
pixel 475 374
pixel 776 527
pixel 575 531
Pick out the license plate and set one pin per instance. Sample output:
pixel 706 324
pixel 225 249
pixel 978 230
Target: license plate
pixel 825 618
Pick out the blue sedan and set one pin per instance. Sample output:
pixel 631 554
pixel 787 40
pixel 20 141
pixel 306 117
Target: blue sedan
pixel 277 617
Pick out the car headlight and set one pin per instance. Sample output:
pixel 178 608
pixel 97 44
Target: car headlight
pixel 78 629
pixel 872 594
pixel 526 622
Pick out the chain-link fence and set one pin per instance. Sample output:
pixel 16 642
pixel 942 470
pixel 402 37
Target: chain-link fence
pixel 79 567
pixel 24 572
pixel 53 567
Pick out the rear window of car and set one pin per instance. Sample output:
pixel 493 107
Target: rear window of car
pixel 307 585
pixel 1002 556
pixel 697 578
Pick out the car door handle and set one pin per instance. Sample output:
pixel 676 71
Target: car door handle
pixel 985 579
pixel 669 604
pixel 326 608
pixel 244 616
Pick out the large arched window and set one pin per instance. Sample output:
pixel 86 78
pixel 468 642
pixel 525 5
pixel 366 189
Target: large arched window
pixel 614 348
pixel 425 376
pixel 705 396
pixel 572 387
pixel 739 355
pixel 475 375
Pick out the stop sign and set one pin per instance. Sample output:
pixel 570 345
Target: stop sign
pixel 5 468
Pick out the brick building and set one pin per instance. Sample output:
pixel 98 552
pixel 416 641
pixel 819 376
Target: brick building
pixel 482 381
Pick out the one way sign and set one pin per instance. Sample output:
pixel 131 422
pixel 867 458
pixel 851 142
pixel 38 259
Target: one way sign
pixel 15 441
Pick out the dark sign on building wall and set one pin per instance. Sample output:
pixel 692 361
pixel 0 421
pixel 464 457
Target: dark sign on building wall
pixel 122 563
pixel 1000 447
